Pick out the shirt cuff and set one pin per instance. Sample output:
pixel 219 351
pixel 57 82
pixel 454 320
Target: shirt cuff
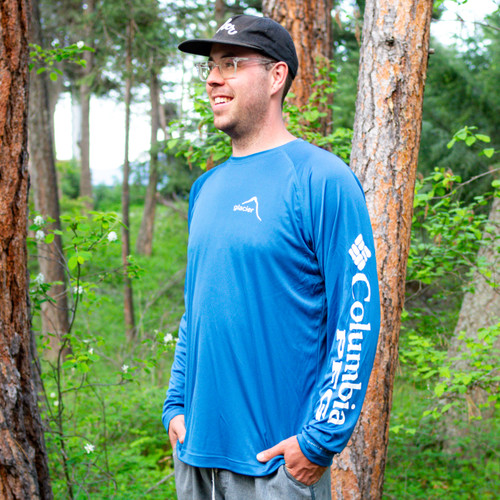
pixel 314 452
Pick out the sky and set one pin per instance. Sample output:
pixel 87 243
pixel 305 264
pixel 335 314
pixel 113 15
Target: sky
pixel 107 116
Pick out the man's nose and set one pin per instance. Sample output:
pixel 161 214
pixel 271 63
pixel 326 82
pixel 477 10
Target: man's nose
pixel 215 77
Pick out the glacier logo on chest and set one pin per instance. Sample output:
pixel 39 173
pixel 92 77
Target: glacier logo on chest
pixel 249 206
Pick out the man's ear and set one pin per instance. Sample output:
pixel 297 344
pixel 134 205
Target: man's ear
pixel 279 74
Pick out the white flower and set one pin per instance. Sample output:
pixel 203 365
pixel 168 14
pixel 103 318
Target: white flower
pixel 89 448
pixel 125 368
pixel 56 403
pixel 80 44
pixel 168 338
pixel 112 236
pixel 91 350
pixel 38 220
pixel 39 235
pixel 78 290
pixel 52 394
pixel 40 279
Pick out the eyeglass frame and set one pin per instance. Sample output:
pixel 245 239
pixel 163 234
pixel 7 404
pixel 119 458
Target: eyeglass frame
pixel 211 65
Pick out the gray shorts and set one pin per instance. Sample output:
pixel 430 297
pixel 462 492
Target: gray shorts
pixel 198 483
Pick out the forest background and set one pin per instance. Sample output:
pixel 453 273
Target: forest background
pixel 105 322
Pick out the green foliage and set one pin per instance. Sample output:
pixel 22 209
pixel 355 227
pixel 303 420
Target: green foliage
pixel 46 59
pixel 445 376
pixel 446 237
pixel 481 358
pixel 68 177
pixel 198 141
pixel 417 467
pixel 446 232
pixel 99 400
pixel 307 122
pixel 107 198
pixel 467 135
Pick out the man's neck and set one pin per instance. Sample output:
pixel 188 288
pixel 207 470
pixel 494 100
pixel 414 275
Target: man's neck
pixel 263 141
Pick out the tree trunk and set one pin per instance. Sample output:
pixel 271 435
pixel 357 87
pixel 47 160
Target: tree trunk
pixel 85 92
pixel 144 243
pixel 386 141
pixel 309 23
pixel 128 296
pixel 220 11
pixel 480 309
pixel 43 170
pixel 23 459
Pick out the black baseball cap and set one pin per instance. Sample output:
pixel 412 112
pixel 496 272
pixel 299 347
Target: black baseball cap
pixel 259 33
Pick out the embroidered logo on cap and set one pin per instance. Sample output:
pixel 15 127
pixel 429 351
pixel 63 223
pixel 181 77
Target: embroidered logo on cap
pixel 229 27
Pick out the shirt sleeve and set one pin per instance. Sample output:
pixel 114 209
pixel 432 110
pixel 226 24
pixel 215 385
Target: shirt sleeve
pixel 174 402
pixel 340 233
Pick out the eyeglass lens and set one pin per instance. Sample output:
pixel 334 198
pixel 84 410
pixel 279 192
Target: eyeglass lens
pixel 227 68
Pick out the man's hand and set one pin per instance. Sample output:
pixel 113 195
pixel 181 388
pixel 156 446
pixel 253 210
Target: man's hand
pixel 176 430
pixel 296 463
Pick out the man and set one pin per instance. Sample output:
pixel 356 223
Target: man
pixel 282 309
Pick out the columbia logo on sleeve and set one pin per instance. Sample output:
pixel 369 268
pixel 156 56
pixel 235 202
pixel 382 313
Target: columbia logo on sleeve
pixel 359 253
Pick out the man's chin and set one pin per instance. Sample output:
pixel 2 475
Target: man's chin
pixel 223 126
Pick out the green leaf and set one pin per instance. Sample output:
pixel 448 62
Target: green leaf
pixel 439 389
pixel 49 238
pixel 488 152
pixel 73 262
pixel 470 140
pixel 172 143
pixel 484 138
pixel 53 76
pixel 446 407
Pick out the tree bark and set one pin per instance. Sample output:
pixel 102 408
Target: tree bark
pixel 144 243
pixel 85 92
pixel 23 459
pixel 127 284
pixel 43 170
pixel 309 23
pixel 480 309
pixel 220 11
pixel 384 156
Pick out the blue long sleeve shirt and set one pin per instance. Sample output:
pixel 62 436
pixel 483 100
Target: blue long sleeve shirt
pixel 282 310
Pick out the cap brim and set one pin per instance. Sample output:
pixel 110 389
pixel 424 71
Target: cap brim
pixel 202 47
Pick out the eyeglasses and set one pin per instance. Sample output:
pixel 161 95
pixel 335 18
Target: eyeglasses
pixel 227 66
